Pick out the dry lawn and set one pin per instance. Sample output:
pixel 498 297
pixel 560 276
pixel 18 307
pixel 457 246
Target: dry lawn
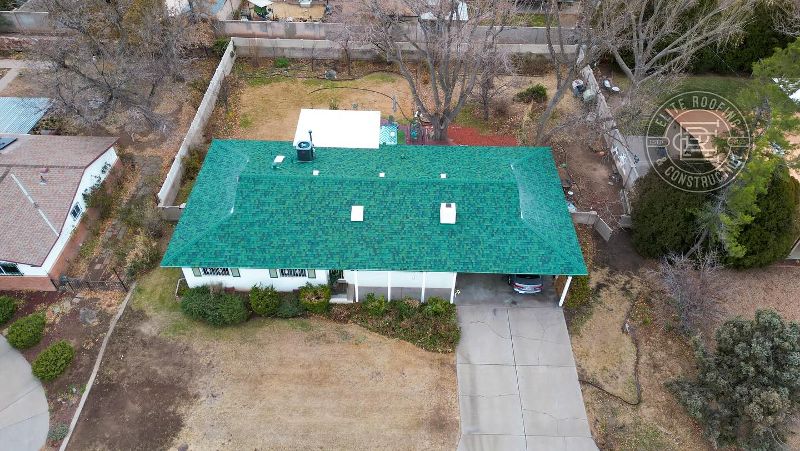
pixel 776 287
pixel 605 355
pixel 314 384
pixel 302 383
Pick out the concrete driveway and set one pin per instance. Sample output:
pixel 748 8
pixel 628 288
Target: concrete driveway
pixel 517 384
pixel 24 416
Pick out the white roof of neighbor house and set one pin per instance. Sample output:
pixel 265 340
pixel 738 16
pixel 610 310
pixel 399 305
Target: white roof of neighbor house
pixel 340 128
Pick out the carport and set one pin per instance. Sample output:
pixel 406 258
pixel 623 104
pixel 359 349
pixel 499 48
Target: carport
pixel 481 289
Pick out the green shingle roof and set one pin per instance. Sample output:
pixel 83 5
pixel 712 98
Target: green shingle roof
pixel 511 212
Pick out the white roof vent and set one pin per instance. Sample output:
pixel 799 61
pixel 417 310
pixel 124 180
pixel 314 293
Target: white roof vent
pixel 357 213
pixel 277 161
pixel 381 174
pixel 447 213
pixel 443 175
pixel 315 172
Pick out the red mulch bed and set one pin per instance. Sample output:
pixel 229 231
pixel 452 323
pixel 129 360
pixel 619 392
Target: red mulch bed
pixel 472 137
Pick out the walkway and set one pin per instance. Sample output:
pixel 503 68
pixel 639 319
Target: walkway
pixel 24 417
pixel 517 384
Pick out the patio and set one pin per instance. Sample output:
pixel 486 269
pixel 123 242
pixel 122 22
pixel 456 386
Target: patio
pixel 281 10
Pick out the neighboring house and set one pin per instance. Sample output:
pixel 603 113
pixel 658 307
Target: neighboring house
pixel 43 180
pixel 691 134
pixel 397 221
pixel 19 115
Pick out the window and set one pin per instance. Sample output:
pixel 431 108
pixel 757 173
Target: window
pixel 235 272
pixel 312 273
pixel 215 271
pixel 76 211
pixel 293 273
pixel 9 269
pixel 273 273
pixel 196 272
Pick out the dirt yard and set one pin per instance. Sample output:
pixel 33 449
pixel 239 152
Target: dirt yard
pixel 269 384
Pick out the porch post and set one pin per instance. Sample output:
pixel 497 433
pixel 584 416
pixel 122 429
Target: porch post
pixel 424 277
pixel 453 290
pixel 564 293
pixel 389 285
pixel 356 273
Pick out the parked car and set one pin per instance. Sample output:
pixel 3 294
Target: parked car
pixel 526 283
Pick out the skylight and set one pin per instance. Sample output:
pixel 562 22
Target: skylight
pixel 447 213
pixel 357 213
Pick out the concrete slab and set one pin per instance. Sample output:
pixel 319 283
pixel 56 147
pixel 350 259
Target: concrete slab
pixel 517 383
pixel 550 397
pixel 486 442
pixel 540 337
pixel 485 336
pixel 24 415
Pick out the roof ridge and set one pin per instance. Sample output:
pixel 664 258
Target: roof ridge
pixel 448 179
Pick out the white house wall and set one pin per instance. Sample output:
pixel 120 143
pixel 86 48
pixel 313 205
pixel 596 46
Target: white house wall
pixel 91 175
pixel 248 278
pixel 406 279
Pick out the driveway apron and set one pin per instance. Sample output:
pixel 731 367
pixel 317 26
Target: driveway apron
pixel 517 383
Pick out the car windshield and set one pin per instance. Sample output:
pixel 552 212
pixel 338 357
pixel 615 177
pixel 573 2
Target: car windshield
pixel 535 277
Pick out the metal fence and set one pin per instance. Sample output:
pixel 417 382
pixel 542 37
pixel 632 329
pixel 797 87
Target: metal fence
pixel 74 284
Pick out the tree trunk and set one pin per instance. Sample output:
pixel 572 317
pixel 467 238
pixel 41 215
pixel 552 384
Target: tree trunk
pixel 547 114
pixel 440 125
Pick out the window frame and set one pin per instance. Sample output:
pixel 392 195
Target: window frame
pixel 196 272
pixel 72 212
pixel 4 272
pixel 235 272
pixel 273 273
pixel 311 273
pixel 293 272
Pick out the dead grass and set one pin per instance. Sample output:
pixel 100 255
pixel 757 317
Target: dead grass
pixel 606 355
pixel 303 383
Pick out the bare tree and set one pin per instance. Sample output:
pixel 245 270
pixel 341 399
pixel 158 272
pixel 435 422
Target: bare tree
pixel 571 49
pixel 660 37
pixel 346 35
pixel 489 86
pixel 694 286
pixel 116 61
pixel 447 41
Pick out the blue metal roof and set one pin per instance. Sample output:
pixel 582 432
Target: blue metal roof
pixel 20 114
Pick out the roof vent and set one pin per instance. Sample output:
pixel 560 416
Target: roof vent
pixel 315 172
pixel 277 161
pixel 381 174
pixel 447 213
pixel 357 213
pixel 443 175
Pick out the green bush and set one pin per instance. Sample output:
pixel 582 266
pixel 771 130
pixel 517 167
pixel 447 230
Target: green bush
pixel 220 45
pixel 264 300
pixel 374 305
pixel 774 229
pixel 405 308
pixel 58 432
pixel 290 307
pixel 436 306
pixel 281 63
pixel 579 295
pixel 315 299
pixel 26 332
pixel 8 306
pixel 664 217
pixel 53 361
pixel 536 93
pixel 100 198
pixel 223 309
pixel 747 390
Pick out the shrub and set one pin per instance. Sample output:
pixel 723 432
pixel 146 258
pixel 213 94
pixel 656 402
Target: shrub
pixel 664 217
pixel 222 309
pixel 220 45
pixel 26 332
pixel 405 308
pixel 58 432
pixel 436 306
pixel 315 299
pixel 8 306
pixel 100 198
pixel 290 307
pixel 374 305
pixel 774 229
pixel 579 294
pixel 264 300
pixel 536 93
pixel 748 388
pixel 281 62
pixel 53 361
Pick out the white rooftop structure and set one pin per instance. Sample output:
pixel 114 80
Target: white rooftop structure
pixel 340 128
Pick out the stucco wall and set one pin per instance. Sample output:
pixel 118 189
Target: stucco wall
pixel 250 277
